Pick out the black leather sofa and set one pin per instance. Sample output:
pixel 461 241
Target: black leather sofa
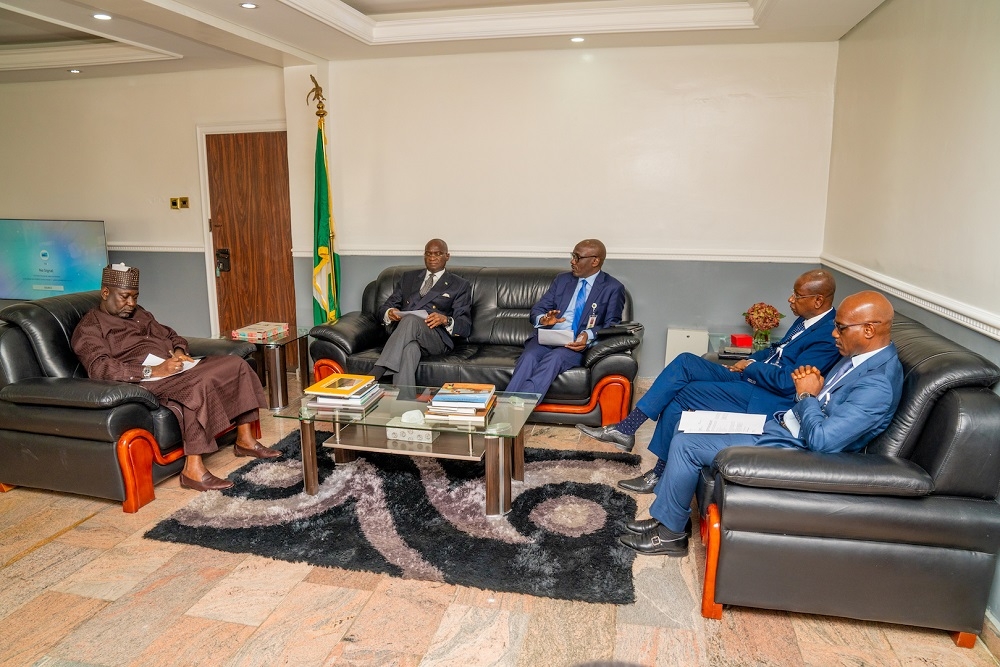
pixel 599 392
pixel 905 532
pixel 61 431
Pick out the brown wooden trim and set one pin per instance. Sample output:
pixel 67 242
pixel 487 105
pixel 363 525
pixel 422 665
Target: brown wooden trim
pixel 963 639
pixel 709 608
pixel 324 368
pixel 613 392
pixel 4 488
pixel 517 456
pixel 136 450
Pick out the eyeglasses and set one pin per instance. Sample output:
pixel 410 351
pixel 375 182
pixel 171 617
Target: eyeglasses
pixel 434 254
pixel 840 327
pixel 576 258
pixel 797 296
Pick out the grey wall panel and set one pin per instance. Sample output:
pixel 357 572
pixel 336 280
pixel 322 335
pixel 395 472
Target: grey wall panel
pixel 172 286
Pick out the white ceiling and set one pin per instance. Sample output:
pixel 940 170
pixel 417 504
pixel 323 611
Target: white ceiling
pixel 40 40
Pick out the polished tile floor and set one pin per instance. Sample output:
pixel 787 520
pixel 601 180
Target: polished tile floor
pixel 80 586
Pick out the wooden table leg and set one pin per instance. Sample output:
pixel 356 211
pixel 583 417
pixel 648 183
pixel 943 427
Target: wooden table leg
pixel 517 463
pixel 305 372
pixel 310 470
pixel 498 465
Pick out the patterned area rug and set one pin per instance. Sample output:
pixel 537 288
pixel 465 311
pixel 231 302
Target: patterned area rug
pixel 423 518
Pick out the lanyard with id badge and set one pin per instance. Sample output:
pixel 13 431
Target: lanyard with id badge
pixel 592 320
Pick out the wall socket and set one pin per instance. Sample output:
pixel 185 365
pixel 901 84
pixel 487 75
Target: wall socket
pixel 179 202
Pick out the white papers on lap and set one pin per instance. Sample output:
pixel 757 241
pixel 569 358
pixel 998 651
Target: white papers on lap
pixel 153 360
pixel 422 314
pixel 555 337
pixel 707 421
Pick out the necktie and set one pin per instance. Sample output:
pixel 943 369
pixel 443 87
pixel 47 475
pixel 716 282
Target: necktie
pixel 580 303
pixel 426 287
pixel 800 325
pixel 839 372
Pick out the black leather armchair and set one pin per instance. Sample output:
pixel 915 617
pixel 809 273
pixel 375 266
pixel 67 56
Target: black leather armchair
pixel 905 532
pixel 62 431
pixel 598 392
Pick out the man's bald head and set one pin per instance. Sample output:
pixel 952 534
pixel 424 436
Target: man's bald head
pixel 864 323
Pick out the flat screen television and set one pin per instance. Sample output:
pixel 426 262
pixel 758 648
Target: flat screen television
pixel 43 258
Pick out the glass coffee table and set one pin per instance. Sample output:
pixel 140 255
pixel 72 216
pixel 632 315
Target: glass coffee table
pixel 500 443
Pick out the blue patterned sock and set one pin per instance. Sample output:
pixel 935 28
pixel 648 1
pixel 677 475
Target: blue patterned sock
pixel 660 466
pixel 631 424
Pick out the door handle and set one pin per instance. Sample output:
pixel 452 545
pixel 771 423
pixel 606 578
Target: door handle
pixel 222 262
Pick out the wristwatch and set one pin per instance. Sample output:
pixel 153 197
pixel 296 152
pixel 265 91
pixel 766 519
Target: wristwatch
pixel 803 396
pixel 449 323
pixel 147 372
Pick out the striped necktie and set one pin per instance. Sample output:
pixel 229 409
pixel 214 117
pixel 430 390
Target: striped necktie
pixel 580 303
pixel 840 371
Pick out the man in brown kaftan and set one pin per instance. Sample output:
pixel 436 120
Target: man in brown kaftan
pixel 113 341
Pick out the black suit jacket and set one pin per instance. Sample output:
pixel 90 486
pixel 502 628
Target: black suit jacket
pixel 451 296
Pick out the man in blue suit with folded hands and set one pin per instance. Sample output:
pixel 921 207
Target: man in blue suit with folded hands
pixel 583 300
pixel 841 412
pixel 758 385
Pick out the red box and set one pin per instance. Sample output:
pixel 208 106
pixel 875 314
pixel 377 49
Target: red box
pixel 741 340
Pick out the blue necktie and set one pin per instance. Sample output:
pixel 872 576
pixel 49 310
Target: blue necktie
pixel 839 372
pixel 800 325
pixel 580 303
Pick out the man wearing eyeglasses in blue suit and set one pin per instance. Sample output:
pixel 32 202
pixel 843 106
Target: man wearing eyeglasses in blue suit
pixel 583 300
pixel 841 412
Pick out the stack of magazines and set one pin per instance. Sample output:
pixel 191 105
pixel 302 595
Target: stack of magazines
pixel 462 403
pixel 344 393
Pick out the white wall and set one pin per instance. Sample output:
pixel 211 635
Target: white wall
pixel 117 149
pixel 915 171
pixel 697 149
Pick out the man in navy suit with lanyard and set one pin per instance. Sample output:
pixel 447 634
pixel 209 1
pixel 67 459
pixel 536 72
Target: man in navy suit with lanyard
pixel 758 385
pixel 444 296
pixel 583 300
pixel 841 412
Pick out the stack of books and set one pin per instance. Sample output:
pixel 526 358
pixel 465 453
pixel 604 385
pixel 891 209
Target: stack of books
pixel 463 403
pixel 344 393
pixel 260 331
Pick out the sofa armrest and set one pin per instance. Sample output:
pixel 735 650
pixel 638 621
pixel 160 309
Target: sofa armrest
pixel 208 347
pixel 354 332
pixel 77 393
pixel 606 345
pixel 800 470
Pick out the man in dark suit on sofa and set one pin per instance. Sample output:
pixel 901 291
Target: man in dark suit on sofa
pixel 447 300
pixel 761 384
pixel 583 300
pixel 841 412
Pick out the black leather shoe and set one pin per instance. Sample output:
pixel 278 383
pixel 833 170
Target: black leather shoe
pixel 639 526
pixel 258 451
pixel 609 434
pixel 644 483
pixel 657 541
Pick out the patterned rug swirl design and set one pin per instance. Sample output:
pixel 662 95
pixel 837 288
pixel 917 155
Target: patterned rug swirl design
pixel 422 518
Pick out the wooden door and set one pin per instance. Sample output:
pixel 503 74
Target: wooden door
pixel 250 217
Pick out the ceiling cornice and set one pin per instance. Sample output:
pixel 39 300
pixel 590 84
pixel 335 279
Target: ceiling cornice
pixel 639 18
pixel 79 55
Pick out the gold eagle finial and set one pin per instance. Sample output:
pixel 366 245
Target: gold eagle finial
pixel 317 94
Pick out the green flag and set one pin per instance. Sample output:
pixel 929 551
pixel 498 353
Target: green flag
pixel 326 263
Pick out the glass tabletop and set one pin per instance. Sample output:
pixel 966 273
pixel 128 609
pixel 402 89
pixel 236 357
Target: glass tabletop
pixel 284 339
pixel 509 416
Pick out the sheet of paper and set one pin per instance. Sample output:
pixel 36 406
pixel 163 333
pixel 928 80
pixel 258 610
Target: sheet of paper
pixel 706 421
pixel 422 314
pixel 153 360
pixel 555 337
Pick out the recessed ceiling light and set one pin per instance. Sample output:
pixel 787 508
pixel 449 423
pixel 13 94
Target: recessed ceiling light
pixel 73 71
pixel 248 5
pixel 576 39
pixel 102 17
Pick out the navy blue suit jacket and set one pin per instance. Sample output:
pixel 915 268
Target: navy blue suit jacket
pixel 606 300
pixel 856 410
pixel 450 295
pixel 813 347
